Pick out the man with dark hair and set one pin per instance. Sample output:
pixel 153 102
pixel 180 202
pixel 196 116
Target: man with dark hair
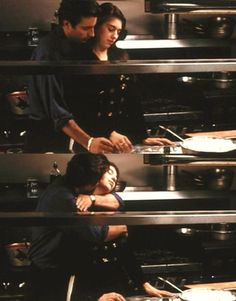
pixel 89 171
pixel 52 98
pixel 58 252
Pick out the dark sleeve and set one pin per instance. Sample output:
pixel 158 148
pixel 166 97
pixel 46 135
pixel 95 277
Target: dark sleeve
pixel 64 201
pixel 90 233
pixel 120 200
pixel 46 95
pixel 131 265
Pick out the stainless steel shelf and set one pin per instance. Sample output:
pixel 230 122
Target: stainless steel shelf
pixel 118 67
pixel 140 42
pixel 175 195
pixel 117 218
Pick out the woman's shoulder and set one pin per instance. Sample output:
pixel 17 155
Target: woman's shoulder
pixel 85 52
pixel 116 53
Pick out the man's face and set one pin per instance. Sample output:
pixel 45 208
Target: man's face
pixel 81 32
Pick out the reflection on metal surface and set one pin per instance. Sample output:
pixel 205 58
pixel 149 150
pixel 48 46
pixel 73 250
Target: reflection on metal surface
pixel 132 43
pixel 190 6
pixel 117 218
pixel 173 195
pixel 157 149
pixel 118 67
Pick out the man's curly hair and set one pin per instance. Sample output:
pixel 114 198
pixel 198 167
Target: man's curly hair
pixel 74 10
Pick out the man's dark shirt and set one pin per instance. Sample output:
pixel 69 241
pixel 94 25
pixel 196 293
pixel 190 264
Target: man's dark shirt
pixel 64 248
pixel 46 92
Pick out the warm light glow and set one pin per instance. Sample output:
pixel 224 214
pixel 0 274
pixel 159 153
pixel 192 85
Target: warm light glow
pixel 147 44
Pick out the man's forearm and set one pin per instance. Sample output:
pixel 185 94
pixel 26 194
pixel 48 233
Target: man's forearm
pixel 75 132
pixel 107 201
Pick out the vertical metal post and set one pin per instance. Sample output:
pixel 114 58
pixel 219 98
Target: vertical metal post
pixel 170 172
pixel 172 25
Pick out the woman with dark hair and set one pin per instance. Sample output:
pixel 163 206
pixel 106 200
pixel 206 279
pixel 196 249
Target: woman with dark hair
pixel 57 253
pixel 115 99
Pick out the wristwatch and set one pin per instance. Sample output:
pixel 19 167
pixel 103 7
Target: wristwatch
pixel 93 199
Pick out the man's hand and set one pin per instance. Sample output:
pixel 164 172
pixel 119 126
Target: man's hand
pixel 152 291
pixel 83 202
pixel 116 231
pixel 111 297
pixel 101 145
pixel 157 141
pixel 121 143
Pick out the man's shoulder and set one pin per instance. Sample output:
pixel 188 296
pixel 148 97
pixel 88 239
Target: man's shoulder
pixel 57 195
pixel 51 46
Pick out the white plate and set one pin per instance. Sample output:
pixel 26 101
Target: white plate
pixel 205 294
pixel 209 144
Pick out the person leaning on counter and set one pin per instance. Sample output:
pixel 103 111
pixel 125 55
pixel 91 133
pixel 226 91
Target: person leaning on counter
pixel 57 252
pixel 100 257
pixel 58 111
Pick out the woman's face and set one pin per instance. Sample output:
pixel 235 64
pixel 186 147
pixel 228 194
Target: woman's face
pixel 108 181
pixel 108 32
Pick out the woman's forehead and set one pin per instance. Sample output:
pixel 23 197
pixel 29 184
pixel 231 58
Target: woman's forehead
pixel 112 169
pixel 114 22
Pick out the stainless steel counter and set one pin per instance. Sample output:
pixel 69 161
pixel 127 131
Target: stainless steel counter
pixel 117 218
pixel 175 195
pixel 118 67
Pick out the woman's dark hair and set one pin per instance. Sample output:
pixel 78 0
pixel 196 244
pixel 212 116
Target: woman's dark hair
pixel 86 169
pixel 109 10
pixel 74 10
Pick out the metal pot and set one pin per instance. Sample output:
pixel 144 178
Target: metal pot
pixel 17 254
pixel 213 179
pixel 218 178
pixel 18 102
pixel 223 80
pixel 220 27
pixel 202 294
pixel 214 27
pixel 223 231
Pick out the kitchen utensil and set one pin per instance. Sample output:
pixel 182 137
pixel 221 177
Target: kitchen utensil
pixel 171 284
pixel 17 254
pixel 202 294
pixel 171 132
pixel 18 102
